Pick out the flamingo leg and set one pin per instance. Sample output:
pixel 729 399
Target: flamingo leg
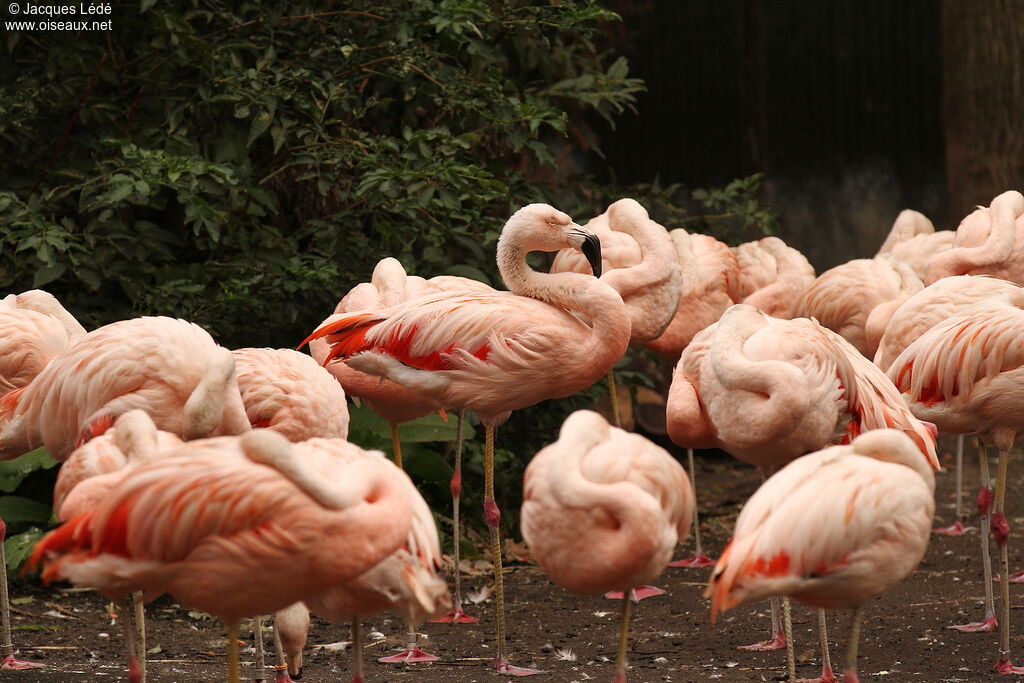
pixel 280 663
pixel 457 616
pixel 1001 531
pixel 827 675
pixel 234 664
pixel 778 639
pixel 396 446
pixel 357 652
pixel 788 626
pixel 613 399
pixel 850 675
pixel 139 611
pixel 257 637
pixel 8 660
pixel 990 623
pixel 699 559
pixel 131 644
pixel 620 662
pixel 493 517
pixel 957 527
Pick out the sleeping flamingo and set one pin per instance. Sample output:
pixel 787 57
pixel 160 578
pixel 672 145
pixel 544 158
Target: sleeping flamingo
pixel 768 390
pixel 966 372
pixel 236 526
pixel 603 510
pixel 550 336
pixel 989 241
pixel 773 275
pixel 832 529
pixel 34 328
pixel 170 368
pixel 914 241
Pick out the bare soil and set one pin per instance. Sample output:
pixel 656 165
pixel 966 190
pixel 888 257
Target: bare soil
pixel 903 639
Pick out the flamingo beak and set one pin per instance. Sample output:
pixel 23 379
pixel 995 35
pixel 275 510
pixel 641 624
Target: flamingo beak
pixel 591 249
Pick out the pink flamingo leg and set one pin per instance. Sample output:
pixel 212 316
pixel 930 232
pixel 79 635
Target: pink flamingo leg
pixel 357 653
pixel 457 616
pixel 778 639
pixel 984 501
pixel 635 594
pixel 493 517
pixel 827 675
pixel 699 559
pixel 280 665
pixel 9 661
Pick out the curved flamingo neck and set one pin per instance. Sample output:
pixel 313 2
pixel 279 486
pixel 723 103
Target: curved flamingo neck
pixel 598 302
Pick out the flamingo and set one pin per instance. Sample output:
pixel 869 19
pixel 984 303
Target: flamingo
pixel 236 526
pixel 609 498
pixel 638 259
pixel 989 241
pixel 966 372
pixel 550 336
pixel 856 299
pixel 390 285
pixel 773 275
pixel 832 529
pixel 34 328
pixel 914 241
pixel 768 391
pixel 170 368
pixel 918 314
pixel 407 580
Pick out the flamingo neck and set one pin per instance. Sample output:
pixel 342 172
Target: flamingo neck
pixel 596 301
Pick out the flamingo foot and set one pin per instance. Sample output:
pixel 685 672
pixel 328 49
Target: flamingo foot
pixel 850 676
pixel 413 655
pixel 636 594
pixel 9 662
pixel 955 529
pixel 1016 577
pixel 358 679
pixel 777 642
pixel 504 667
pixel 281 676
pixel 134 671
pixel 620 677
pixel 456 616
pixel 1003 666
pixel 698 560
pixel 990 624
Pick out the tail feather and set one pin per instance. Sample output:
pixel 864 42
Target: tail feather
pixel 349 332
pixel 67 538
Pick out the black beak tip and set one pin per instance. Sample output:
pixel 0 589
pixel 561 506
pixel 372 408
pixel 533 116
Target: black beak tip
pixel 592 250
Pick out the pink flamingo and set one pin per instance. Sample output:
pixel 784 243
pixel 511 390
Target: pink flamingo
pixel 918 314
pixel 34 328
pixel 832 529
pixel 856 299
pixel 236 526
pixel 989 241
pixel 914 241
pixel 406 580
pixel 768 390
pixel 966 372
pixel 773 275
pixel 550 336
pixel 638 259
pixel 291 393
pixel 170 368
pixel 609 498
pixel 389 286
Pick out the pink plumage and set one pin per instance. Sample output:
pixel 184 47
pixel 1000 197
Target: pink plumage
pixel 773 275
pixel 768 390
pixel 989 241
pixel 34 328
pixel 291 393
pixel 170 368
pixel 603 509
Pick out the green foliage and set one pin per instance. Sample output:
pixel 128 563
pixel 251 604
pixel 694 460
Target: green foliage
pixel 14 472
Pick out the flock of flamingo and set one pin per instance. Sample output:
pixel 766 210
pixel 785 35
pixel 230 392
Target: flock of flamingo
pixel 225 478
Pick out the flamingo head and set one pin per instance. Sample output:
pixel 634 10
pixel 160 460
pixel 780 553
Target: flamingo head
pixel 542 227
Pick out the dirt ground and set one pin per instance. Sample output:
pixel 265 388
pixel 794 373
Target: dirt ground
pixel 903 639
